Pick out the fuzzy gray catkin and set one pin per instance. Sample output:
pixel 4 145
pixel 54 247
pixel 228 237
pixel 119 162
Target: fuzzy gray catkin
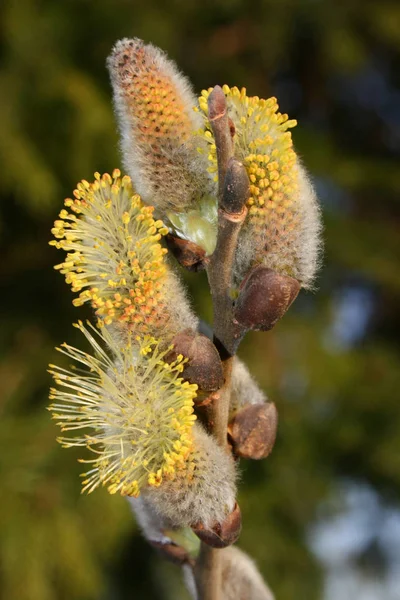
pixel 241 579
pixel 245 389
pixel 162 150
pixel 152 524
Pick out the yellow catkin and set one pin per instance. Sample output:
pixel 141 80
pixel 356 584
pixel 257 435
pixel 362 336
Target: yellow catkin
pixel 155 108
pixel 114 259
pixel 135 409
pixel 264 144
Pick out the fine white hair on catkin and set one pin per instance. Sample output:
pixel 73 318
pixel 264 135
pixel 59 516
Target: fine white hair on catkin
pixel 208 496
pixel 245 389
pixel 296 254
pixel 151 524
pixel 181 315
pixel 241 579
pixel 309 237
pixel 154 104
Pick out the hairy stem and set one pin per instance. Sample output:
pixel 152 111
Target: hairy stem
pixel 233 193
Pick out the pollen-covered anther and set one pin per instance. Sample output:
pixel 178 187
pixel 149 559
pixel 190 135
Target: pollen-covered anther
pixel 136 444
pixel 115 262
pixel 264 298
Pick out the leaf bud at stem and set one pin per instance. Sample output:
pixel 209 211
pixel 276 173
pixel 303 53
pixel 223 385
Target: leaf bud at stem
pixel 252 431
pixel 218 116
pixel 222 534
pixel 264 298
pixel 236 188
pixel 204 365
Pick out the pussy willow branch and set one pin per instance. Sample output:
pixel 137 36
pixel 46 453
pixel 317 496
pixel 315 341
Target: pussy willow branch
pixel 233 193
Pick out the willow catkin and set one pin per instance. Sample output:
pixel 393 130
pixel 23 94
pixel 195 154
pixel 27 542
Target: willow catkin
pixel 282 229
pixel 115 260
pixel 240 578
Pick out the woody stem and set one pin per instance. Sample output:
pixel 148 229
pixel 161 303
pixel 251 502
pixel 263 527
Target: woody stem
pixel 233 193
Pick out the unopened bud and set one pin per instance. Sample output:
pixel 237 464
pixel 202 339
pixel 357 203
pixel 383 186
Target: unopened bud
pixel 236 188
pixel 264 298
pixel 204 364
pixel 219 120
pixel 222 534
pixel 216 104
pixel 252 432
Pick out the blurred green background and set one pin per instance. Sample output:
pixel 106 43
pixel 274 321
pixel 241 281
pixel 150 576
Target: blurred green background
pixel 321 515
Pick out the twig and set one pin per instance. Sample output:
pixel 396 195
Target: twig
pixel 233 193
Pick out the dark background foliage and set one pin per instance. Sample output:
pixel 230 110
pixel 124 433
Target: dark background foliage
pixel 322 512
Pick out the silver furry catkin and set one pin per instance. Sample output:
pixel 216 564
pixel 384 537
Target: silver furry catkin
pixel 245 389
pixel 253 420
pixel 150 522
pixel 205 493
pixel 241 579
pixel 179 545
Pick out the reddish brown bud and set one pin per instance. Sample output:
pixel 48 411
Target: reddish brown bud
pixel 216 104
pixel 172 552
pixel 218 115
pixel 222 534
pixel 252 431
pixel 264 298
pixel 204 364
pixel 188 254
pixel 236 188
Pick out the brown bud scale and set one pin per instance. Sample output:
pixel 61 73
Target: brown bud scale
pixel 236 188
pixel 188 254
pixel 204 365
pixel 216 104
pixel 222 534
pixel 252 431
pixel 264 298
